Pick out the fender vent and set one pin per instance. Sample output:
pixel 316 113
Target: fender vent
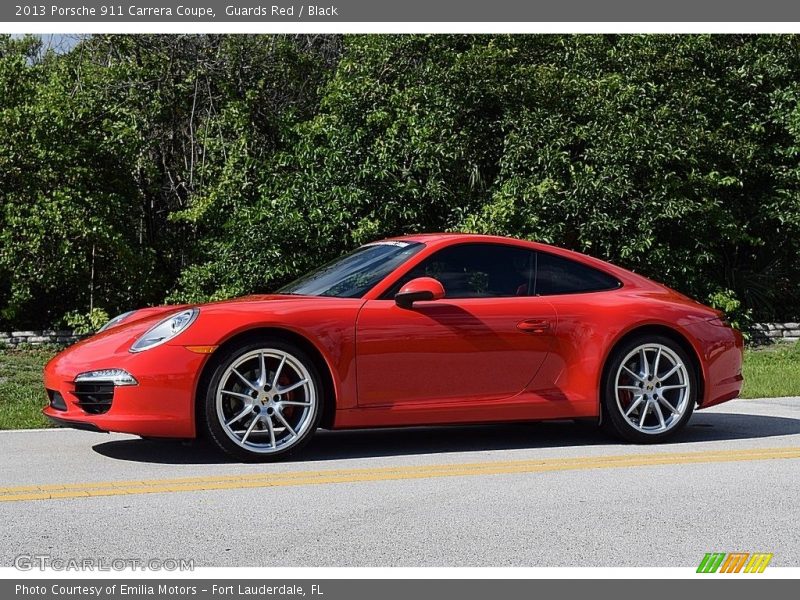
pixel 56 400
pixel 95 398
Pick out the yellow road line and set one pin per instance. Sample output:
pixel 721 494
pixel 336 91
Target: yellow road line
pixel 283 479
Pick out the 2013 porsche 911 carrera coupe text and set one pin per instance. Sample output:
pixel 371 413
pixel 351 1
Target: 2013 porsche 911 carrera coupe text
pixel 425 329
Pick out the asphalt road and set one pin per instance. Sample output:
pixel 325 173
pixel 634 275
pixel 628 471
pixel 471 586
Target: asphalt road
pixel 547 494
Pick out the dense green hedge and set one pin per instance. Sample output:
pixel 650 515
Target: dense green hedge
pixel 135 169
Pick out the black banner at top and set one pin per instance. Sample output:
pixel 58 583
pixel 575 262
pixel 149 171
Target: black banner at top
pixel 210 11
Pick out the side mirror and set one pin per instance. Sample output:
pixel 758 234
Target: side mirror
pixel 421 288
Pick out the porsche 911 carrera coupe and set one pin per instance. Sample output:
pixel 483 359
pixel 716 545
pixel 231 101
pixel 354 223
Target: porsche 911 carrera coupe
pixel 416 330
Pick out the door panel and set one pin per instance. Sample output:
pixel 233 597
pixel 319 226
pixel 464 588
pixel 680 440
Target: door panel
pixel 451 349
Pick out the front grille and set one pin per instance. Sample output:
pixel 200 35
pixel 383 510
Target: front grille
pixel 95 398
pixel 56 400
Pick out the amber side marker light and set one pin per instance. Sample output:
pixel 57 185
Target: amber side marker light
pixel 201 349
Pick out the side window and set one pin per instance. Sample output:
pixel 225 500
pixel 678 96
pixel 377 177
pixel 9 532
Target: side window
pixel 477 271
pixel 557 275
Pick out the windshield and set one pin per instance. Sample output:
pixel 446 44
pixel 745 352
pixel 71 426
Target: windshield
pixel 353 275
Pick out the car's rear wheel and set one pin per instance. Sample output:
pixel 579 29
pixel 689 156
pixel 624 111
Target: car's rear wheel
pixel 263 401
pixel 650 389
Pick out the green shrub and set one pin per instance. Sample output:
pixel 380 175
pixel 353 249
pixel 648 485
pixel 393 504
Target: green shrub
pixel 739 317
pixel 83 323
pixel 136 168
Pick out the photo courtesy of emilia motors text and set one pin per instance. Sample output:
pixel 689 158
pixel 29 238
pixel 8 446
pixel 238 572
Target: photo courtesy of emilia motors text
pixel 432 299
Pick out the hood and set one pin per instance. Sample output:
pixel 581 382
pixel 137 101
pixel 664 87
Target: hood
pixel 152 314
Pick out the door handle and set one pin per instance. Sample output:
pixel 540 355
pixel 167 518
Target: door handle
pixel 535 326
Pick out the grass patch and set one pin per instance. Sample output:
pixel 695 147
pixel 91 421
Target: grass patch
pixel 772 371
pixel 768 372
pixel 22 395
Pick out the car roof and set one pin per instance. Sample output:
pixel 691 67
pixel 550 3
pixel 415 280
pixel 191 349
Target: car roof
pixel 466 237
pixel 443 239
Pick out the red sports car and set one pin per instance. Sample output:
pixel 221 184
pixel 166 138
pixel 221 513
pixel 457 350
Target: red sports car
pixel 416 330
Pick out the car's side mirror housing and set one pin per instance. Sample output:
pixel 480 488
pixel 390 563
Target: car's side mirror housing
pixel 419 289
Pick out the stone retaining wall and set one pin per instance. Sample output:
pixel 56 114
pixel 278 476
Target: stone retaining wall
pixel 12 339
pixel 760 333
pixel 768 333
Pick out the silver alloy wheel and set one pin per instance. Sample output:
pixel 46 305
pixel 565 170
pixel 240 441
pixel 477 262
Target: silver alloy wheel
pixel 266 401
pixel 652 388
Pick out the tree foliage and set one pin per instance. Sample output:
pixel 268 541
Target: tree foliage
pixel 196 167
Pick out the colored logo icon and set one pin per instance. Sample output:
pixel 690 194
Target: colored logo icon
pixel 734 562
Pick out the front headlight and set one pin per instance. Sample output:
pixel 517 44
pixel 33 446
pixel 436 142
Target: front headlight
pixel 165 330
pixel 116 320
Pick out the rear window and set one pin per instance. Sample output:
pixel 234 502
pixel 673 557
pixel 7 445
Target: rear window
pixel 558 275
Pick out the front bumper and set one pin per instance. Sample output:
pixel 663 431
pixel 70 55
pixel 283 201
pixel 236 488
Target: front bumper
pixel 83 426
pixel 160 405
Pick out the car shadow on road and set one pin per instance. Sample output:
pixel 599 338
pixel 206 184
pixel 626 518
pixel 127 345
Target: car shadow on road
pixel 338 445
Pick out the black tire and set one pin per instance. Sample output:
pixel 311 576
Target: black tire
pixel 213 425
pixel 614 418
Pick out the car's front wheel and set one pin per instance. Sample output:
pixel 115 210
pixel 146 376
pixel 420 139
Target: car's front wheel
pixel 650 389
pixel 263 401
